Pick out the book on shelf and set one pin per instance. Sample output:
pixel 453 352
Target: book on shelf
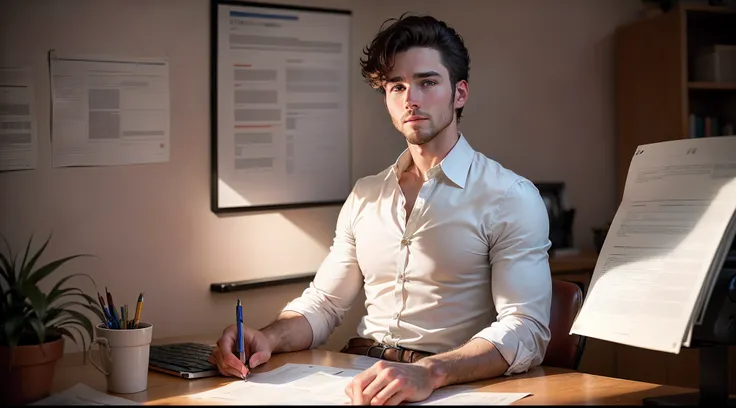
pixel 666 245
pixel 709 125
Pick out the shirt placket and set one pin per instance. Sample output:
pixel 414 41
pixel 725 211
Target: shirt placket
pixel 403 256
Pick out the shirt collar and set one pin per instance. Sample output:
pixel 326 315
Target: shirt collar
pixel 455 165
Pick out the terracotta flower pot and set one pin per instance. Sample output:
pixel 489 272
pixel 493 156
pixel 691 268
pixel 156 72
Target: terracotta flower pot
pixel 28 374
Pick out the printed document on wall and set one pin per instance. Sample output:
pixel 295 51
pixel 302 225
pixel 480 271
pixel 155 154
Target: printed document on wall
pixel 18 134
pixel 109 110
pixel 283 131
pixel 664 248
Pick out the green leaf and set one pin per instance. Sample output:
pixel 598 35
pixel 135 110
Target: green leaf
pixel 39 328
pixel 60 293
pixel 11 260
pixel 57 294
pixel 37 299
pixel 42 272
pixel 64 332
pixel 11 328
pixel 87 306
pixel 7 271
pixel 53 293
pixel 25 255
pixel 69 335
pixel 79 318
pixel 26 268
pixel 91 303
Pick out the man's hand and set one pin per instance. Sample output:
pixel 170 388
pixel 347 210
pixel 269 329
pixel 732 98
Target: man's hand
pixel 387 383
pixel 256 346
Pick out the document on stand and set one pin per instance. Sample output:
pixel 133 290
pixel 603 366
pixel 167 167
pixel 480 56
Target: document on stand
pixel 665 246
pixel 306 384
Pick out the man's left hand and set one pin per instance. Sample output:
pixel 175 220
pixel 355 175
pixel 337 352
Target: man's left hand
pixel 387 383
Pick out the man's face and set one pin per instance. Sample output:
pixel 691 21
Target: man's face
pixel 419 95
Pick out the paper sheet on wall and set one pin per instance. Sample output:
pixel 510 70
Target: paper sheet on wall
pixel 665 246
pixel 18 126
pixel 305 384
pixel 109 110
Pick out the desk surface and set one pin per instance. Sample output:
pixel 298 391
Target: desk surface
pixel 549 386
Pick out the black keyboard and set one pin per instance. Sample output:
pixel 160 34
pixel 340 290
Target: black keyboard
pixel 186 360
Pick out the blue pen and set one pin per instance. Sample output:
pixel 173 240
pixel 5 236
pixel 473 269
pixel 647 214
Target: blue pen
pixel 106 312
pixel 108 318
pixel 239 318
pixel 113 313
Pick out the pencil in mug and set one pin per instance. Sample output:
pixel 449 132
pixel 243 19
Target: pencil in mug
pixel 138 310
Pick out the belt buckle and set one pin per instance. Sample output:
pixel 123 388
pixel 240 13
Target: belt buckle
pixel 401 351
pixel 380 346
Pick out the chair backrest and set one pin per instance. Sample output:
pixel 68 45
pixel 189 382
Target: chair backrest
pixel 564 349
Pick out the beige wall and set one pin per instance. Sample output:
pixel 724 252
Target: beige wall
pixel 541 103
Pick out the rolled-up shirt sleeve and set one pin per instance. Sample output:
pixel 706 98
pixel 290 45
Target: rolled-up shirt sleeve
pixel 336 283
pixel 520 278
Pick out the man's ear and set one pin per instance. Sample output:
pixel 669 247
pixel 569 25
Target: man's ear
pixel 461 93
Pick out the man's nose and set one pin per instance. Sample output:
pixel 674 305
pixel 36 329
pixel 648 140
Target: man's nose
pixel 413 98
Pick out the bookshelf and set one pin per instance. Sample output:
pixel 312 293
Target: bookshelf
pixel 659 95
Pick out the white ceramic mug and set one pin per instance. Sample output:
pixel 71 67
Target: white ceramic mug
pixel 123 357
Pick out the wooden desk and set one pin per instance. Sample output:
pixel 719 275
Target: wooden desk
pixel 549 386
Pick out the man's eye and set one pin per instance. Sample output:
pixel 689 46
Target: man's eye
pixel 429 83
pixel 397 88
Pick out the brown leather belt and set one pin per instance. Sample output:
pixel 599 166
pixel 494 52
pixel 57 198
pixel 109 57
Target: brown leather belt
pixel 371 348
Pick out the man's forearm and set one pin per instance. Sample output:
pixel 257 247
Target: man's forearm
pixel 289 332
pixel 477 360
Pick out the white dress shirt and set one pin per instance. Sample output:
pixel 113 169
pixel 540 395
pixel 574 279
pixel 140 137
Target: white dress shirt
pixel 477 237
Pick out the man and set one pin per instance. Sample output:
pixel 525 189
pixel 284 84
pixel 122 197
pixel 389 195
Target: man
pixel 435 240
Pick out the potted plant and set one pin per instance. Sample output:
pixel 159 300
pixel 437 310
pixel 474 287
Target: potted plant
pixel 34 323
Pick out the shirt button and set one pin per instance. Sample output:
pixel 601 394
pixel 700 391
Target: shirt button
pixel 405 242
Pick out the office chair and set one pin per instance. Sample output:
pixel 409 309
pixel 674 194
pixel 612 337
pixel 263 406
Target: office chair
pixel 564 349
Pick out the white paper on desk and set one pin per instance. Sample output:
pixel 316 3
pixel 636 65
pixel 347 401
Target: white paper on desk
pixel 109 110
pixel 18 134
pixel 81 394
pixel 462 395
pixel 290 384
pixel 305 384
pixel 657 266
pixel 299 375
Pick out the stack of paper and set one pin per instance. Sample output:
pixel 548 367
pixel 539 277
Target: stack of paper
pixel 665 246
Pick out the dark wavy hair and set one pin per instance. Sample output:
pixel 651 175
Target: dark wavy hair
pixel 415 31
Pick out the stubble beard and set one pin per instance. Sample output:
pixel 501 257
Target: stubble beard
pixel 423 136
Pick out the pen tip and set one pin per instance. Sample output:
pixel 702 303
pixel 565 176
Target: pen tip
pixel 238 301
